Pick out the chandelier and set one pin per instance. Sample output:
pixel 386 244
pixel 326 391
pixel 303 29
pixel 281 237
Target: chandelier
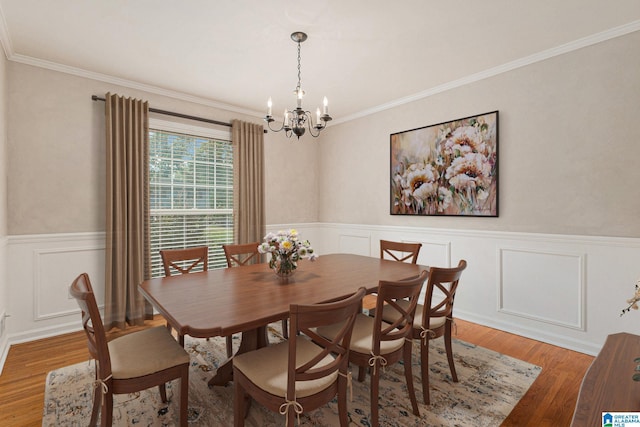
pixel 295 120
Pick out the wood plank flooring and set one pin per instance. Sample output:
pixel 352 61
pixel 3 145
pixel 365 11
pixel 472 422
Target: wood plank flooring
pixel 549 402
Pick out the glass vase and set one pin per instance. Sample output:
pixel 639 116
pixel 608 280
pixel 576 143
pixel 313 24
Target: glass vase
pixel 284 268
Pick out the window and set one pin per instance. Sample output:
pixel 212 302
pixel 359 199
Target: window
pixel 191 190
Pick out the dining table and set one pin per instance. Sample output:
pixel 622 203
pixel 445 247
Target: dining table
pixel 245 299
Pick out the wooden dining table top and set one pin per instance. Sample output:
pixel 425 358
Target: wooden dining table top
pixel 230 300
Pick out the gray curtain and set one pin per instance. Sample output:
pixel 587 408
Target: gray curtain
pixel 127 226
pixel 248 182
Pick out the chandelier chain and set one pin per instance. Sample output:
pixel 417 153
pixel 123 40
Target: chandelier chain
pixel 299 69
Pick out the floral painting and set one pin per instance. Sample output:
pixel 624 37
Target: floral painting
pixel 446 169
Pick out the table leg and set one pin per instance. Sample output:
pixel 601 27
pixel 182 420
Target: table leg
pixel 251 340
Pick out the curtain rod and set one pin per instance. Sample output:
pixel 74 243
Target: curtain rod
pixel 183 116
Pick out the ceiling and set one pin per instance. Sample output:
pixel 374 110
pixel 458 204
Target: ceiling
pixel 364 55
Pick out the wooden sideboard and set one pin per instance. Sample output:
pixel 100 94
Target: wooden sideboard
pixel 608 385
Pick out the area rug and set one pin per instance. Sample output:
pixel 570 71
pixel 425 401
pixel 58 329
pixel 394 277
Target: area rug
pixel 490 384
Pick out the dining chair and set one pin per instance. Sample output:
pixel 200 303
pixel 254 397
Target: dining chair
pixel 247 253
pixel 242 254
pixel 376 344
pixel 400 251
pixel 394 251
pixel 183 261
pixel 130 363
pixel 304 372
pixel 434 318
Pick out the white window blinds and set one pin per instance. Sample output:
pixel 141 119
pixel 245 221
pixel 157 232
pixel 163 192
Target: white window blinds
pixel 191 190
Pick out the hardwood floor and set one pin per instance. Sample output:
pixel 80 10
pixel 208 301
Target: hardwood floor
pixel 549 402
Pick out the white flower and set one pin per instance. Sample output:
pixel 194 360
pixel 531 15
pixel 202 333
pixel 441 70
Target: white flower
pixel 419 181
pixel 469 172
pixel 465 139
pixel 264 248
pixel 444 198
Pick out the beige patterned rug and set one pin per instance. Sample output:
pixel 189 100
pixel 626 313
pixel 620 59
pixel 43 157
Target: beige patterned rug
pixel 490 386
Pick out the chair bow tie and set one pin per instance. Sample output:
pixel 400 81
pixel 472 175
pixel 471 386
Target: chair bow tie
pixel 423 334
pixel 349 378
pixel 102 385
pixel 297 408
pixel 373 362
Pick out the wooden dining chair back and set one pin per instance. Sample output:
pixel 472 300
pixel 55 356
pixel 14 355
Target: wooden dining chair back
pixel 376 344
pixel 182 261
pixel 130 363
pixel 400 251
pixel 434 318
pixel 242 254
pixel 304 372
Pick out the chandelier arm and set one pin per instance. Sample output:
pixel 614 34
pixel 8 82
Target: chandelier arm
pixel 272 129
pixel 318 126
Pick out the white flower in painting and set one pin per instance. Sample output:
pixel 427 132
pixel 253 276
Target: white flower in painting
pixel 482 194
pixel 469 172
pixel 420 182
pixel 464 140
pixel 444 198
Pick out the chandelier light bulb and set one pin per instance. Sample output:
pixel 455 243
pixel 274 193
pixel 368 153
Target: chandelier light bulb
pixel 269 104
pixel 325 104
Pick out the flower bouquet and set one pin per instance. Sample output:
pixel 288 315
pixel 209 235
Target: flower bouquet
pixel 633 302
pixel 286 249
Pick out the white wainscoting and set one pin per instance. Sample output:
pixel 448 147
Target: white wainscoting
pixel 561 289
pixel 41 269
pixel 4 302
pixel 548 274
pixel 564 290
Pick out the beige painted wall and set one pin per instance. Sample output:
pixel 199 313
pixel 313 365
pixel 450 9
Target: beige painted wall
pixel 56 154
pixel 568 152
pixel 4 282
pixel 3 146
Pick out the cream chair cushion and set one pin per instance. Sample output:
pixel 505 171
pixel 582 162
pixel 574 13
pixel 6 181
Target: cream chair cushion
pixel 267 368
pixel 389 314
pixel 362 336
pixel 144 353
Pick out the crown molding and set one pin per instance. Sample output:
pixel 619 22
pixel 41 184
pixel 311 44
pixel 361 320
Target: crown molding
pixel 491 72
pixel 5 39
